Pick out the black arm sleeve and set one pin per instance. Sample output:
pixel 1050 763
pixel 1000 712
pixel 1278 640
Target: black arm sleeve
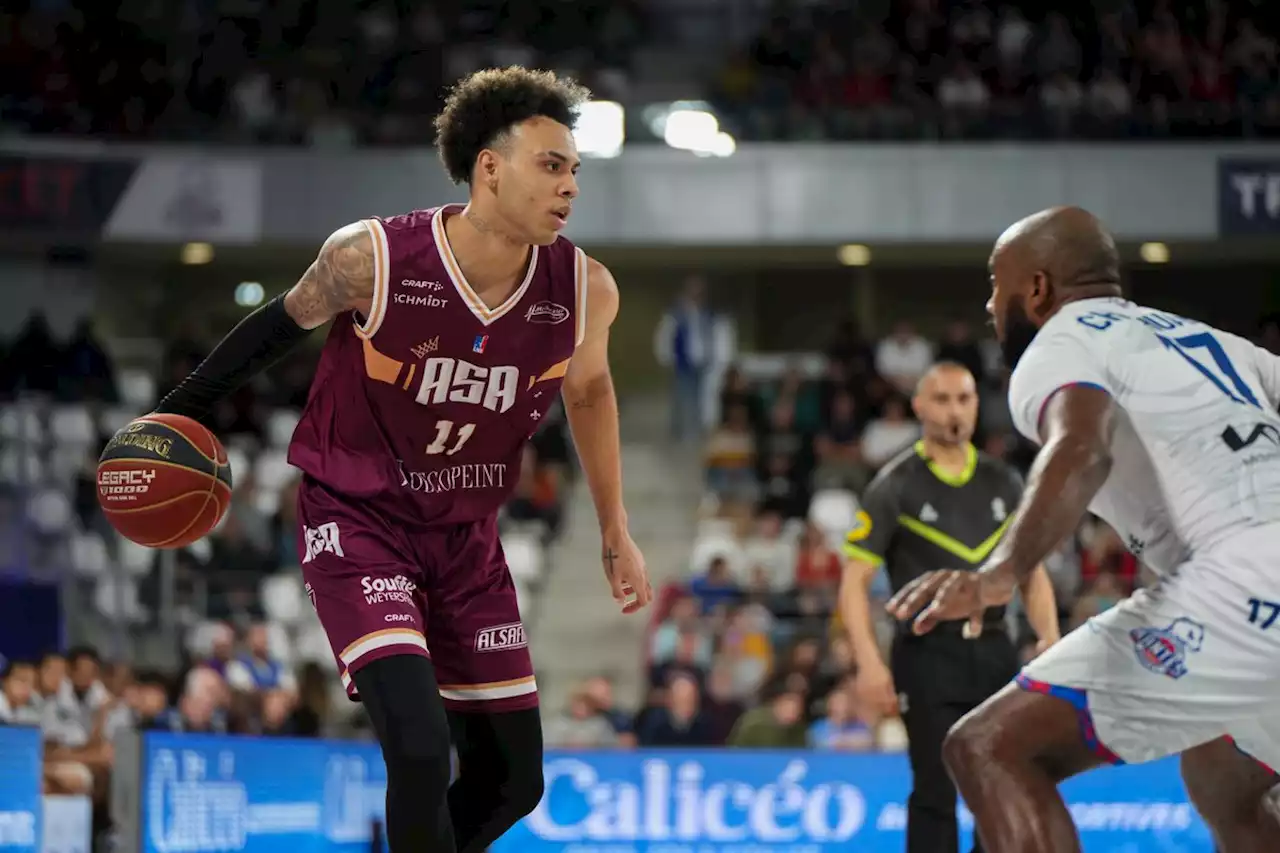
pixel 256 343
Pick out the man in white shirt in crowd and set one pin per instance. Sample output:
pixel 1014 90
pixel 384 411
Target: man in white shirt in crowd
pixel 903 357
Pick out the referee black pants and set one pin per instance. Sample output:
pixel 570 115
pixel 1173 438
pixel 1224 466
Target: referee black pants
pixel 939 682
pixel 931 808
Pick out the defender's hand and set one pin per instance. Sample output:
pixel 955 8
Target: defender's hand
pixel 625 570
pixel 948 595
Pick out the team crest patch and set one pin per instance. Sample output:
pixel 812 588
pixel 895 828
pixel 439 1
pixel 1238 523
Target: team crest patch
pixel 1165 650
pixel 861 527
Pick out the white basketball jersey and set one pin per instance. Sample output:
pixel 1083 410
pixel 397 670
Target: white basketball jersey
pixel 1196 451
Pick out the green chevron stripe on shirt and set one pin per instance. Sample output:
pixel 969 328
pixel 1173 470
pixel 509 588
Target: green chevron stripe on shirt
pixel 854 552
pixel 954 546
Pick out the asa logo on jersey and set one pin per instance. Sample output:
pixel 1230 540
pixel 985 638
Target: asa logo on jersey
pixel 547 312
pixel 325 539
pixel 457 381
pixel 501 638
pixel 1164 650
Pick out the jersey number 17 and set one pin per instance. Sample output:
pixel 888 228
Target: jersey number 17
pixel 1213 364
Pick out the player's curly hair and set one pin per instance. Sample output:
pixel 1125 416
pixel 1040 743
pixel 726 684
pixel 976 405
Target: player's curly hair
pixel 481 107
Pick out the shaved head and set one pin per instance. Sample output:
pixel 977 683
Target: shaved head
pixel 946 404
pixel 1069 244
pixel 1042 262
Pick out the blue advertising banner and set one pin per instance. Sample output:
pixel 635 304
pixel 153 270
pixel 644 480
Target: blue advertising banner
pixel 1248 197
pixel 740 801
pixel 217 795
pixel 20 778
pixel 206 794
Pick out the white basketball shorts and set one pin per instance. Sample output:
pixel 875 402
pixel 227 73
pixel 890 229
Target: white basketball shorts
pixel 1192 659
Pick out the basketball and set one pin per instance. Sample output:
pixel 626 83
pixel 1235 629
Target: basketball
pixel 164 481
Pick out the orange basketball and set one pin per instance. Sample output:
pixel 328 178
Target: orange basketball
pixel 164 481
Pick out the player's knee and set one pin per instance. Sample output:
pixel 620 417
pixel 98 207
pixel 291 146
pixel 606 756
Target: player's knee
pixel 979 740
pixel 402 697
pixel 524 790
pixel 964 746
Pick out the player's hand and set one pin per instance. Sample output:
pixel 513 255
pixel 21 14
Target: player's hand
pixel 875 689
pixel 1042 646
pixel 949 595
pixel 625 570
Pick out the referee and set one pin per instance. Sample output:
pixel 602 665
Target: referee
pixel 940 504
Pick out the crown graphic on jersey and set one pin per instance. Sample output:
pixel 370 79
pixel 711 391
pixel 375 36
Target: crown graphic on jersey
pixel 425 348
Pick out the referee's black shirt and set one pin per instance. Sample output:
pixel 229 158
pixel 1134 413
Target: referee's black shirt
pixel 916 518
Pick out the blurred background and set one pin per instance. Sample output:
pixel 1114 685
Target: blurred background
pixel 797 198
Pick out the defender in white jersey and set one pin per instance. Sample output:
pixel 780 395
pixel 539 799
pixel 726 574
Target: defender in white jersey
pixel 1166 428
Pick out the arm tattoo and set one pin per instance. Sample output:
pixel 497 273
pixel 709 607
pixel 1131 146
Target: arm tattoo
pixel 340 278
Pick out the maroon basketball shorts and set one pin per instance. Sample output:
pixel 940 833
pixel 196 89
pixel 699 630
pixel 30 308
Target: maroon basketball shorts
pixel 444 594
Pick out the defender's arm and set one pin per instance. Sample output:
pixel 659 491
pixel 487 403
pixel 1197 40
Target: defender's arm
pixel 340 279
pixel 1073 464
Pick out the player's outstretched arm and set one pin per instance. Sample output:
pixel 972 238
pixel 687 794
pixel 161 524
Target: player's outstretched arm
pixel 340 279
pixel 592 409
pixel 1073 463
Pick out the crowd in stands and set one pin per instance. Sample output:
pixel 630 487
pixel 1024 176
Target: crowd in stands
pixel 331 73
pixel 1008 68
pixel 82 703
pixel 346 72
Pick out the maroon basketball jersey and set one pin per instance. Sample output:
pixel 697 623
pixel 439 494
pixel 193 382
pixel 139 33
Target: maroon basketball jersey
pixel 424 406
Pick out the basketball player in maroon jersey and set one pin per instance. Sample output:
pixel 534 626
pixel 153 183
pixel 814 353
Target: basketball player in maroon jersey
pixel 455 327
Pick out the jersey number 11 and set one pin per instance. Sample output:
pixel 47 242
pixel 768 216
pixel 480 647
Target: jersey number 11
pixel 444 432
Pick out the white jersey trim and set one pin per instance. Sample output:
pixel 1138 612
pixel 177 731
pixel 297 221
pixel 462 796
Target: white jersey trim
pixel 580 272
pixel 482 312
pixel 381 280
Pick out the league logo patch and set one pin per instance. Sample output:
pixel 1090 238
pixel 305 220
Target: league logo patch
pixel 1164 650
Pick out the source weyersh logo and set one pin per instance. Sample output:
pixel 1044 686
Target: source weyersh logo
pixel 382 590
